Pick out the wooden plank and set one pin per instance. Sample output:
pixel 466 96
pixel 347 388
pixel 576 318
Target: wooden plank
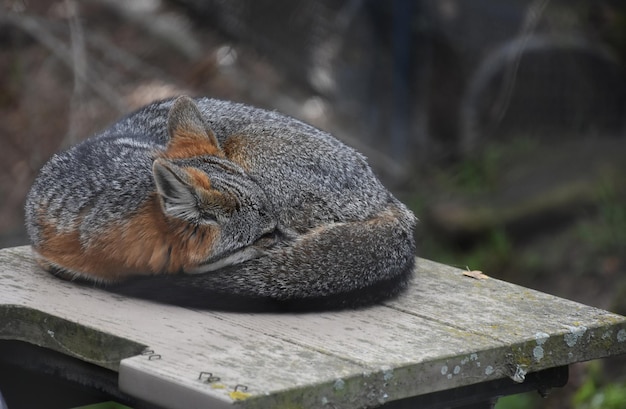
pixel 543 331
pixel 446 331
pixel 188 341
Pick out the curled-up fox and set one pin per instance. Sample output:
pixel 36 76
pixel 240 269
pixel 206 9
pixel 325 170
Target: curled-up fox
pixel 215 204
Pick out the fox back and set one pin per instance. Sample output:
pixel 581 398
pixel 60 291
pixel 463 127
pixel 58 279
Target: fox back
pixel 194 201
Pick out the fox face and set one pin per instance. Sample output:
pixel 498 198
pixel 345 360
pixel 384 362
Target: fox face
pixel 214 196
pixel 199 186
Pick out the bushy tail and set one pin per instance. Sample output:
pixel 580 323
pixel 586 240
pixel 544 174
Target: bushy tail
pixel 340 265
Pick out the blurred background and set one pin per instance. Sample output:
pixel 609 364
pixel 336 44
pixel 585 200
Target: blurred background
pixel 501 123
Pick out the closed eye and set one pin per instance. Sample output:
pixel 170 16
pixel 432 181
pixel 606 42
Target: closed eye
pixel 269 239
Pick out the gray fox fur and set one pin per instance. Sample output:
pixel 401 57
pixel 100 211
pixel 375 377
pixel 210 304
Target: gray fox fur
pixel 216 204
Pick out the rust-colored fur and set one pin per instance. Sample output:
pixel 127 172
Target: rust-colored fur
pixel 235 150
pixel 188 143
pixel 147 242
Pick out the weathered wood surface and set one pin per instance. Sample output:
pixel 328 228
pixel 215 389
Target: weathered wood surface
pixel 447 331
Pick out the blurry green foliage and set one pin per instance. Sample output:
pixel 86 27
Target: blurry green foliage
pixel 521 401
pixel 595 394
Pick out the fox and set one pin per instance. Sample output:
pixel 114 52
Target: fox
pixel 207 203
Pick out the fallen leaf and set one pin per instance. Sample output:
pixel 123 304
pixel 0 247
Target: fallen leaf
pixel 477 274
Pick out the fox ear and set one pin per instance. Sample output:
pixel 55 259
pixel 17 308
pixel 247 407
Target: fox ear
pixel 175 189
pixel 189 134
pixel 186 193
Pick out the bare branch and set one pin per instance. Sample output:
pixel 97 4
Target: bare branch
pixel 168 28
pixel 79 63
pixel 36 28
